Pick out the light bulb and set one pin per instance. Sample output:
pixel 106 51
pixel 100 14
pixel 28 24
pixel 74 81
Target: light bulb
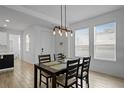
pixel 59 31
pixel 7 20
pixel 71 34
pixel 66 34
pixel 54 32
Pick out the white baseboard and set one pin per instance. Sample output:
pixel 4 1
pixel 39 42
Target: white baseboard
pixel 6 70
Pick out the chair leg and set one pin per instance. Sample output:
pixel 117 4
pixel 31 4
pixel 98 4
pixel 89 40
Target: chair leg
pixel 40 80
pixel 47 81
pixel 81 80
pixel 76 82
pixel 87 81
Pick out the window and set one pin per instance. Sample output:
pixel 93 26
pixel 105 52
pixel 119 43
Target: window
pixel 105 41
pixel 27 42
pixel 82 42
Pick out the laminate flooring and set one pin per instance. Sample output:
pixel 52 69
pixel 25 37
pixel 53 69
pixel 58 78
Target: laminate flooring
pixel 23 77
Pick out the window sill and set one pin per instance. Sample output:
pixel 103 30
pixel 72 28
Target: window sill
pixel 105 59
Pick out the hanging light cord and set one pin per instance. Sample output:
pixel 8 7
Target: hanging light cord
pixel 61 17
pixel 61 27
pixel 65 16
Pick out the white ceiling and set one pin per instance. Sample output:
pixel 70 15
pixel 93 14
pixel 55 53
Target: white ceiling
pixel 20 21
pixel 49 15
pixel 75 13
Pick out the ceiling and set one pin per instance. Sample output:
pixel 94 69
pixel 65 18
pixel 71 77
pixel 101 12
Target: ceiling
pixel 75 13
pixel 20 21
pixel 49 15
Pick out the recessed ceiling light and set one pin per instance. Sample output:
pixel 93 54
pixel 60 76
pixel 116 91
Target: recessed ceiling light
pixel 7 20
pixel 5 25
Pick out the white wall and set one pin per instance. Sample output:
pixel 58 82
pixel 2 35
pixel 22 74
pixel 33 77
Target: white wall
pixel 104 66
pixel 39 38
pixel 61 48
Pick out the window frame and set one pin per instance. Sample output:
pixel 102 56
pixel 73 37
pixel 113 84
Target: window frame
pixel 88 39
pixel 115 49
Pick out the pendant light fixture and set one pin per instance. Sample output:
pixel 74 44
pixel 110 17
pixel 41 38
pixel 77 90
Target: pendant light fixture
pixel 62 29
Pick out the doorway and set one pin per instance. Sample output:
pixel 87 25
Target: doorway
pixel 14 45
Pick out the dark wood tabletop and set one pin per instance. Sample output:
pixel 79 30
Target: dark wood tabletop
pixel 52 68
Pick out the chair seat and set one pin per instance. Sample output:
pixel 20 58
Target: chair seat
pixel 61 80
pixel 84 74
pixel 45 74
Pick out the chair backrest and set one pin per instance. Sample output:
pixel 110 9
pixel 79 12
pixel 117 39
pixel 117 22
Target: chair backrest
pixel 58 57
pixel 85 65
pixel 72 69
pixel 44 58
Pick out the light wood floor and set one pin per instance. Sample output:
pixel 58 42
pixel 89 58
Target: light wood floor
pixel 22 77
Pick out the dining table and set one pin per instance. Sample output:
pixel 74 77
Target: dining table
pixel 53 68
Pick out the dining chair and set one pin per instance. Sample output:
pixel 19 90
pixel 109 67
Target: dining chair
pixel 59 57
pixel 44 59
pixel 70 77
pixel 84 73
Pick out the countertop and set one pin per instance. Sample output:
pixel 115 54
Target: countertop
pixel 6 53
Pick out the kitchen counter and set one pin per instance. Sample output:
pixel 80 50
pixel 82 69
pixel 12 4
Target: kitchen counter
pixel 6 60
pixel 6 53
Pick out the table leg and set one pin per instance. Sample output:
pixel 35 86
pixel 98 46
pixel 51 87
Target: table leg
pixel 35 76
pixel 54 81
